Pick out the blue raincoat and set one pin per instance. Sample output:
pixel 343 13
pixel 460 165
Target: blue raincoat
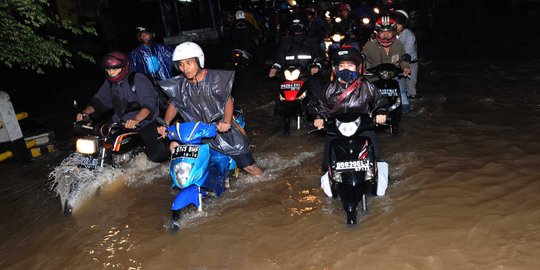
pixel 154 60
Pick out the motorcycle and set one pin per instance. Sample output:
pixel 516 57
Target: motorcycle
pixel 196 169
pixel 388 86
pixel 241 58
pixel 98 145
pixel 353 169
pixel 291 97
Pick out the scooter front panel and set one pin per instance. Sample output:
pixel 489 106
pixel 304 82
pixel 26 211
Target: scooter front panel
pixel 197 165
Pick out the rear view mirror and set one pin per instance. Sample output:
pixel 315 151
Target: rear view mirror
pixel 406 57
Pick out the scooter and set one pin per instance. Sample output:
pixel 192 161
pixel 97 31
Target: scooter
pixel 241 58
pixel 196 169
pixel 388 86
pixel 353 170
pixel 98 145
pixel 291 97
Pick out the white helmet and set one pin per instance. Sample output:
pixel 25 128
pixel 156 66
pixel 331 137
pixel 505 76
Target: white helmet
pixel 403 12
pixel 188 50
pixel 240 15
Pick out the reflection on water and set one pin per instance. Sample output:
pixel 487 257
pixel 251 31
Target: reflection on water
pixel 115 245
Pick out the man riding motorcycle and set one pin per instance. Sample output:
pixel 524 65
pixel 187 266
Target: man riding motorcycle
pixel 117 94
pixel 346 25
pixel 201 94
pixel 385 48
pixel 348 93
pixel 297 48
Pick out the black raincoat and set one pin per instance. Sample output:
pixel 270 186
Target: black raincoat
pixel 202 100
pixel 363 99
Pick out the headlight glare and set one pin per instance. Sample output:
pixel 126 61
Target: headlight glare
pixel 292 75
pixel 86 145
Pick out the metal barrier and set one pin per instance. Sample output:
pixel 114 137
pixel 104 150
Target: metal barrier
pixel 13 144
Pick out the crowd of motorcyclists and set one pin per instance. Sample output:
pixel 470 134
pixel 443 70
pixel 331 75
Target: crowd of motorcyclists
pixel 300 36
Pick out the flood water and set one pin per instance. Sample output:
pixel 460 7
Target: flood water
pixel 463 192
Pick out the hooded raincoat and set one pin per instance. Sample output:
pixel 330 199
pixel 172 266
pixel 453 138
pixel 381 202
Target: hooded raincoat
pixel 203 100
pixel 155 60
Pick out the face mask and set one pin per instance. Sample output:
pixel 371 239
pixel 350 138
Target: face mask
pixel 346 75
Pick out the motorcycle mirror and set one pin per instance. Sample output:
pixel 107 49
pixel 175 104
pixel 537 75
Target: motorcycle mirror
pixel 160 121
pixel 406 57
pixel 380 103
pixel 76 106
pixel 216 117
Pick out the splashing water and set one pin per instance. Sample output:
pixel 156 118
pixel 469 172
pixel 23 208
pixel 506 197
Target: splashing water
pixel 275 166
pixel 75 185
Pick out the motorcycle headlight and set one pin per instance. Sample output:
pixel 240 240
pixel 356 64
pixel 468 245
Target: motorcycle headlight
pixel 86 145
pixel 376 10
pixel 365 20
pixel 348 129
pixel 338 19
pixel 292 75
pixel 182 171
pixel 336 37
pixel 386 75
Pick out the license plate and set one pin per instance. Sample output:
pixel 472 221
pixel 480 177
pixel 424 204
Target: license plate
pixel 356 165
pixel 87 162
pixel 186 151
pixel 390 92
pixel 291 86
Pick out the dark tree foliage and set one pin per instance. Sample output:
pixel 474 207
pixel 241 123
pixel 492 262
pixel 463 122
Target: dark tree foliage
pixel 33 38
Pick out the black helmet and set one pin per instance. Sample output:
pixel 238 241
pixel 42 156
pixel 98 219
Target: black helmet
pixel 297 26
pixel 347 53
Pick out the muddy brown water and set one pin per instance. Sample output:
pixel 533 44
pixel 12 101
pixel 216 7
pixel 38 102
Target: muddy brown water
pixel 463 193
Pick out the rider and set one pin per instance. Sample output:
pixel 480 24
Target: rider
pixel 243 33
pixel 315 27
pixel 385 48
pixel 408 39
pixel 346 24
pixel 135 104
pixel 151 58
pixel 348 93
pixel 297 48
pixel 199 95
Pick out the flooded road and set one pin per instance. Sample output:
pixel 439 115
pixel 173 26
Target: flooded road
pixel 463 192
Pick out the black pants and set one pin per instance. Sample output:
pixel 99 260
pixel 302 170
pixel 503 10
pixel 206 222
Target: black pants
pixel 156 150
pixel 329 138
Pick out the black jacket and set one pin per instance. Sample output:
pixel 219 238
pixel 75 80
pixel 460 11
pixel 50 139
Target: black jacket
pixel 294 50
pixel 363 99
